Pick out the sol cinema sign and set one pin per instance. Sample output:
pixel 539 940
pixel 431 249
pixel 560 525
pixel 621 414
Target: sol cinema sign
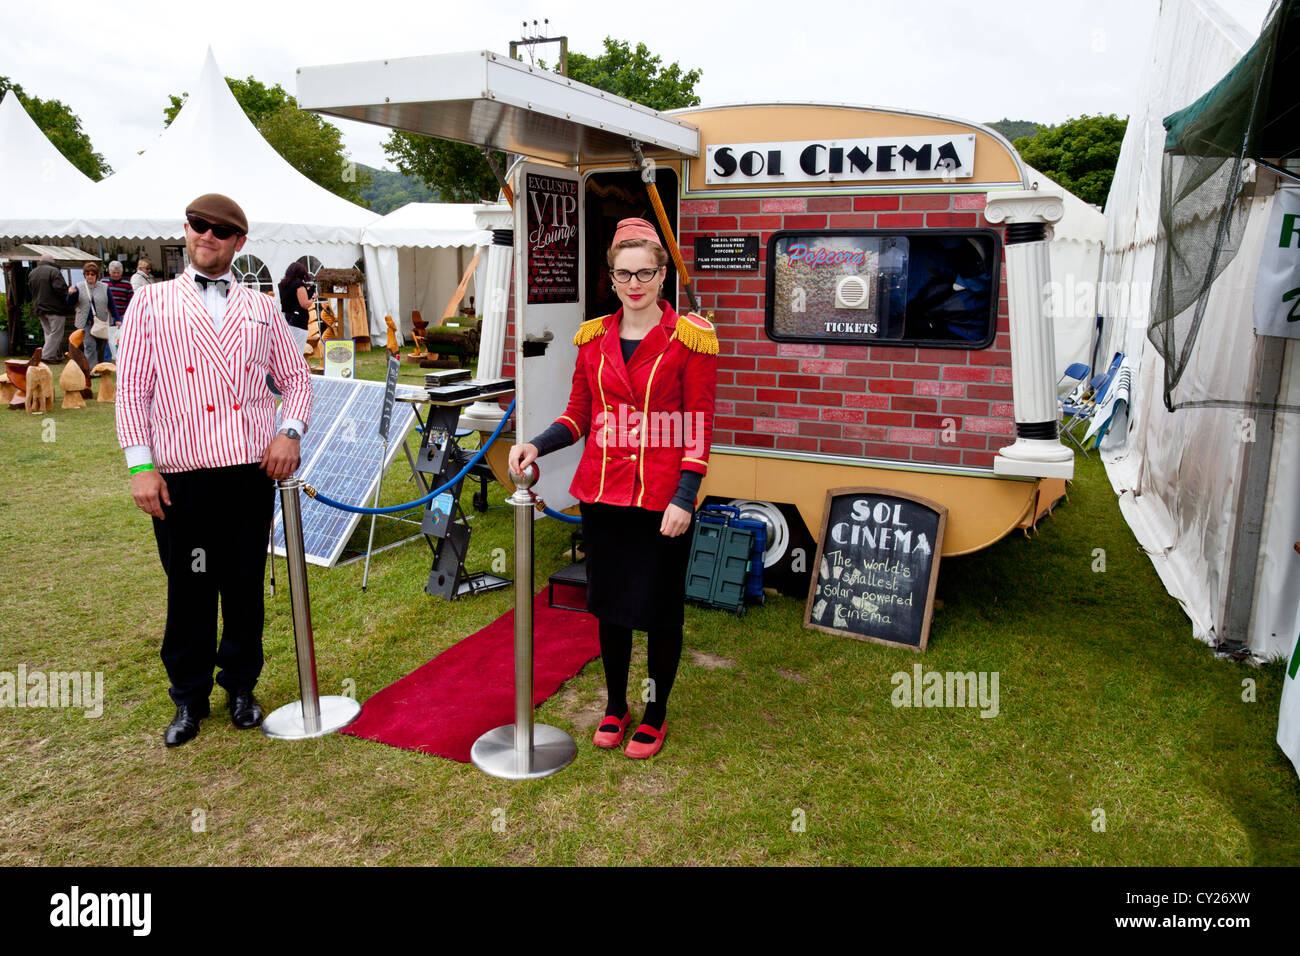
pixel 843 160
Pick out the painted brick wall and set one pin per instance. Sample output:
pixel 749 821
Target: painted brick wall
pixel 922 406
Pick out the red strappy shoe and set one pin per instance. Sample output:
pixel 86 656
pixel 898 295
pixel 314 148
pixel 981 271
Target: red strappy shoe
pixel 638 751
pixel 614 736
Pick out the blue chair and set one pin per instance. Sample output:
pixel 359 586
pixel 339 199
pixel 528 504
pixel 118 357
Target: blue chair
pixel 1080 409
pixel 1078 371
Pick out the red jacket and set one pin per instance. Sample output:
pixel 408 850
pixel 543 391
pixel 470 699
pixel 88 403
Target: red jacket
pixel 645 423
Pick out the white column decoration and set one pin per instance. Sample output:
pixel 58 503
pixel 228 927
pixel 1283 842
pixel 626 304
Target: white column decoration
pixel 494 298
pixel 1037 450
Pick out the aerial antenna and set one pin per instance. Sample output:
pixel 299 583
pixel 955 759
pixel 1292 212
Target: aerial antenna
pixel 531 36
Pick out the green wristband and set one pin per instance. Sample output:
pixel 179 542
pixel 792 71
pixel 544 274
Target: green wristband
pixel 147 466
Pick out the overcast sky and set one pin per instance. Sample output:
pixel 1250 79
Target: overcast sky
pixel 1043 61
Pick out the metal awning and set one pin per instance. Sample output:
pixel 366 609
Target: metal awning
pixel 487 99
pixel 31 252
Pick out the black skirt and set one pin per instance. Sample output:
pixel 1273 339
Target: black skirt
pixel 636 577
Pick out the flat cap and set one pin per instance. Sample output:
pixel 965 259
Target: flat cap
pixel 219 209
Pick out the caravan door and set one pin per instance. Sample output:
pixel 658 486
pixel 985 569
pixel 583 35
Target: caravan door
pixel 549 307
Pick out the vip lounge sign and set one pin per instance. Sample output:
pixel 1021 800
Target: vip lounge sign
pixel 842 160
pixel 552 239
pixel 1277 284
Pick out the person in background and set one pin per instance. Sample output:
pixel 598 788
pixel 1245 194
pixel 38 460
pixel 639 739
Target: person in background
pixel 121 290
pixel 294 300
pixel 638 484
pixel 142 276
pixel 91 296
pixel 50 299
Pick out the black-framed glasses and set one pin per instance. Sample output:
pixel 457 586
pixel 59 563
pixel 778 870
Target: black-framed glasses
pixel 201 225
pixel 623 276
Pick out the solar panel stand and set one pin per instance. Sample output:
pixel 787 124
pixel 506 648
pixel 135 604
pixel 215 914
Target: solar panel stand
pixel 370 543
pixel 444 519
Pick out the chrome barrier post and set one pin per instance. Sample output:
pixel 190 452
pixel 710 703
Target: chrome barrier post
pixel 523 750
pixel 312 715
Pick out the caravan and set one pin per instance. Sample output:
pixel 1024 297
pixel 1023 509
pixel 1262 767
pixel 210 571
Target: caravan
pixel 876 279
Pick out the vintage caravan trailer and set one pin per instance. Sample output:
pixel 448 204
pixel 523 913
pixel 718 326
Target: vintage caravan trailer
pixel 875 277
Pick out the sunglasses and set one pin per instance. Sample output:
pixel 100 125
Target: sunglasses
pixel 201 225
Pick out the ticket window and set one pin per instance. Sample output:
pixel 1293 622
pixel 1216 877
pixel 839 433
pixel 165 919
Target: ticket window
pixel 613 195
pixel 935 288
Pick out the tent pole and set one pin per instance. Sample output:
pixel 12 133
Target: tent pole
pixel 1252 493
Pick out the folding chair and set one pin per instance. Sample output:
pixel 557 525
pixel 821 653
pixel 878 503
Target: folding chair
pixel 1082 409
pixel 1078 371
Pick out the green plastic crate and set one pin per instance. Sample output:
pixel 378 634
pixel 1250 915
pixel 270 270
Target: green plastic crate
pixel 719 565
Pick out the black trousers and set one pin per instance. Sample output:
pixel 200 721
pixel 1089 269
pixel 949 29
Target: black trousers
pixel 212 545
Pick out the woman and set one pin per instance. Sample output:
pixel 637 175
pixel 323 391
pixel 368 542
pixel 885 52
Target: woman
pixel 91 299
pixel 294 301
pixel 643 394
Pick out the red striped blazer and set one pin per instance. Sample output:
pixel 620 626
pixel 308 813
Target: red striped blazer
pixel 196 398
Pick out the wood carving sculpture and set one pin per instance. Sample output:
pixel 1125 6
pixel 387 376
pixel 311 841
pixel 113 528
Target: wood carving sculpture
pixel 72 380
pixel 75 354
pixel 17 370
pixel 392 335
pixel 418 325
pixel 40 389
pixel 107 372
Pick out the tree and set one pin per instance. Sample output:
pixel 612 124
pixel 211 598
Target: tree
pixel 1080 154
pixel 63 128
pixel 459 173
pixel 307 142
pixel 1015 129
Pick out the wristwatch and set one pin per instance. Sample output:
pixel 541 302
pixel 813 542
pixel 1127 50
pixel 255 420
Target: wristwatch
pixel 292 433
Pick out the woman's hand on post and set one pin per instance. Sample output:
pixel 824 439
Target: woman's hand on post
pixel 521 456
pixel 676 520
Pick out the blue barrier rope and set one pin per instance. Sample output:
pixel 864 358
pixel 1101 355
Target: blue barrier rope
pixel 567 519
pixel 478 456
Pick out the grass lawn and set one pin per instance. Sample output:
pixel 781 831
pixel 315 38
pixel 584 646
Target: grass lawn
pixel 1106 703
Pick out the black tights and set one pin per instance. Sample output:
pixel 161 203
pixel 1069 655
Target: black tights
pixel 664 650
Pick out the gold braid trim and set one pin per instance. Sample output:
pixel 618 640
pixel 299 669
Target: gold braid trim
pixel 591 329
pixel 697 334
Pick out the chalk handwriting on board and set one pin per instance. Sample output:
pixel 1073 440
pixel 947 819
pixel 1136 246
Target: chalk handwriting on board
pixel 877 564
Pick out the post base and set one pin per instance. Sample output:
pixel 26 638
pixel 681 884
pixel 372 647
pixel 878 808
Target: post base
pixel 494 753
pixel 286 723
pixel 1035 458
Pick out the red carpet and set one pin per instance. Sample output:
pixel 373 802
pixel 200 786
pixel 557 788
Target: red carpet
pixel 447 704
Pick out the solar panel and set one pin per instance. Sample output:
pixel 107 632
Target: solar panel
pixel 340 457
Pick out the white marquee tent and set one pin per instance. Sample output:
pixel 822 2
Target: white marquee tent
pixel 415 257
pixel 1179 475
pixel 36 175
pixel 1075 253
pixel 211 146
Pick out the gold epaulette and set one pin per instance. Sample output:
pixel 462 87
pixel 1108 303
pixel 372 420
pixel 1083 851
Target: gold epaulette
pixel 591 329
pixel 697 333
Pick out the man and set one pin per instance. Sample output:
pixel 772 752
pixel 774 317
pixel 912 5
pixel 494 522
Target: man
pixel 50 300
pixel 119 288
pixel 198 425
pixel 142 276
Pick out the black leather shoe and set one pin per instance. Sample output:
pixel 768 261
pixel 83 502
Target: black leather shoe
pixel 245 711
pixel 185 725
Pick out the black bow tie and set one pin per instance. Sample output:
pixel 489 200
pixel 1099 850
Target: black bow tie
pixel 203 282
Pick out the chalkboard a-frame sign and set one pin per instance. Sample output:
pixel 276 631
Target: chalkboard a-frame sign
pixel 877 566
